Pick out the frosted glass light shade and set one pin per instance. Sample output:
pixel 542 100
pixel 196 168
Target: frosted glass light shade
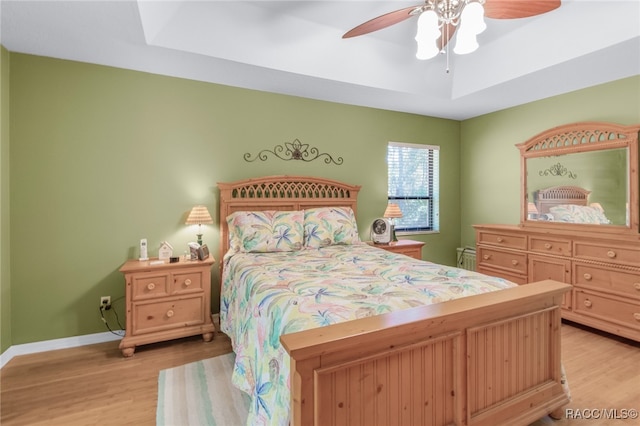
pixel 428 33
pixel 466 42
pixel 472 18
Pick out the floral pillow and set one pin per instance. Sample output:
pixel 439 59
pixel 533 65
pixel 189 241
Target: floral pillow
pixel 326 226
pixel 265 231
pixel 578 214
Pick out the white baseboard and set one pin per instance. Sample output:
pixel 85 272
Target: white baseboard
pixel 52 345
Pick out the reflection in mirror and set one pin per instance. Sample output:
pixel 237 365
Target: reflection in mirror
pixel 583 187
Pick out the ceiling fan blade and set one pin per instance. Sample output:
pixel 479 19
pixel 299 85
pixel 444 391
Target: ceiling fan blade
pixel 381 22
pixel 512 9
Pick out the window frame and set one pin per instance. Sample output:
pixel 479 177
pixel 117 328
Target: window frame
pixel 433 203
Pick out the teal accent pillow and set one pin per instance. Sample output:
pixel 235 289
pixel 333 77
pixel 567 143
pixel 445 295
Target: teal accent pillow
pixel 265 231
pixel 326 226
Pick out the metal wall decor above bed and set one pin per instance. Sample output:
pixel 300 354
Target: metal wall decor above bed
pixel 295 150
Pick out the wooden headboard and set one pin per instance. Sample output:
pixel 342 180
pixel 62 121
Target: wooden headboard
pixel 558 195
pixel 281 193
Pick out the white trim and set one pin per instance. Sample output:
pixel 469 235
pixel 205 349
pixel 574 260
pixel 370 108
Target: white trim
pixel 52 345
pixel 414 145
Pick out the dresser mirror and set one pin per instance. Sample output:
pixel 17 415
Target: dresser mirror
pixel 582 175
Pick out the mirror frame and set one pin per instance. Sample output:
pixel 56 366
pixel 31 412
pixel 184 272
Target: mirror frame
pixel 583 137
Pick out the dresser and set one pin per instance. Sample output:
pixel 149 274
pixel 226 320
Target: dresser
pixel 604 270
pixel 166 301
pixel 409 248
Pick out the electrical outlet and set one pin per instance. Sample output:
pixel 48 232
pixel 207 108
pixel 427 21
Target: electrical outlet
pixel 105 302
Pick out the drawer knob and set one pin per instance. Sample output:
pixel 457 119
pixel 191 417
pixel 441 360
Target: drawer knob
pixel 151 286
pixel 499 239
pixel 169 313
pixel 547 246
pixel 587 303
pixel 587 277
pixel 486 257
pixel 187 282
pixel 636 315
pixel 611 254
pixel 636 286
pixel 514 262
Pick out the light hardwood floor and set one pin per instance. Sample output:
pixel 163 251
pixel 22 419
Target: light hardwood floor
pixel 95 385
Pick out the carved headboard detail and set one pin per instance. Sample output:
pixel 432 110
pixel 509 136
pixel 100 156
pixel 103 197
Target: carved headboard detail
pixel 559 195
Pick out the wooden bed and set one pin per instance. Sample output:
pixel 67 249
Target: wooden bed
pixel 482 360
pixel 559 195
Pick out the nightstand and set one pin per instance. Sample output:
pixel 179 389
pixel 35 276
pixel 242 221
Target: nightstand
pixel 410 248
pixel 166 301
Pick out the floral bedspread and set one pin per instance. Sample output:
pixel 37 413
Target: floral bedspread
pixel 265 295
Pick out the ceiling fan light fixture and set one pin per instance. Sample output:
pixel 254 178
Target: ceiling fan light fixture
pixel 472 18
pixel 427 35
pixel 466 42
pixel 427 50
pixel 428 25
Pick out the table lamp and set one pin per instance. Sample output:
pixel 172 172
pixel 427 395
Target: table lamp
pixel 392 212
pixel 199 215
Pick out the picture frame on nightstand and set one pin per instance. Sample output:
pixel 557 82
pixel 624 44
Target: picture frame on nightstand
pixel 203 252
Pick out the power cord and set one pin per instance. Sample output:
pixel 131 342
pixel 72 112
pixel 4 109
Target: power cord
pixel 106 323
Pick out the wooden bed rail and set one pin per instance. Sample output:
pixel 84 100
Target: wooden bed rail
pixel 488 359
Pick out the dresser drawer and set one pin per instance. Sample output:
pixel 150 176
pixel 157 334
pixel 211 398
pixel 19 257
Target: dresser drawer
pixel 550 245
pixel 606 308
pixel 616 253
pixel 187 282
pixel 502 239
pixel 511 261
pixel 150 317
pixel 150 285
pixel 596 277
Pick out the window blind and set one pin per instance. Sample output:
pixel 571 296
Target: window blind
pixel 413 184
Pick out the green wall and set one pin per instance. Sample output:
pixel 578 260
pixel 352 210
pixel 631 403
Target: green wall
pixel 5 267
pixel 101 157
pixel 490 162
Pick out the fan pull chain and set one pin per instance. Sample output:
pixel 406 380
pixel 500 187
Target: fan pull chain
pixel 447 49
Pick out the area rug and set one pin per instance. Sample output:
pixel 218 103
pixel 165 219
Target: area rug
pixel 201 393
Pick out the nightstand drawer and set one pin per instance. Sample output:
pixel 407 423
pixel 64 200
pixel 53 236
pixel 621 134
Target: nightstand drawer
pixel 607 308
pixel 159 316
pixel 409 248
pixel 187 282
pixel 503 240
pixel 550 245
pixel 510 261
pixel 615 253
pixel 150 285
pixel 623 283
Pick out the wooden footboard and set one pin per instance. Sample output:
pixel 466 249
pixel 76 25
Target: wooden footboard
pixel 483 360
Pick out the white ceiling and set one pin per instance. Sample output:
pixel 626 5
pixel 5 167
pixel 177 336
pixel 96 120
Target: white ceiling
pixel 295 48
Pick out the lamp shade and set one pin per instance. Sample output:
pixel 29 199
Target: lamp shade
pixel 198 216
pixel 393 210
pixel 531 208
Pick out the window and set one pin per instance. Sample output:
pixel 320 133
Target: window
pixel 414 185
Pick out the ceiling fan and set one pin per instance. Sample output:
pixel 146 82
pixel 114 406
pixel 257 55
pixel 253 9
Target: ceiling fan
pixel 438 21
